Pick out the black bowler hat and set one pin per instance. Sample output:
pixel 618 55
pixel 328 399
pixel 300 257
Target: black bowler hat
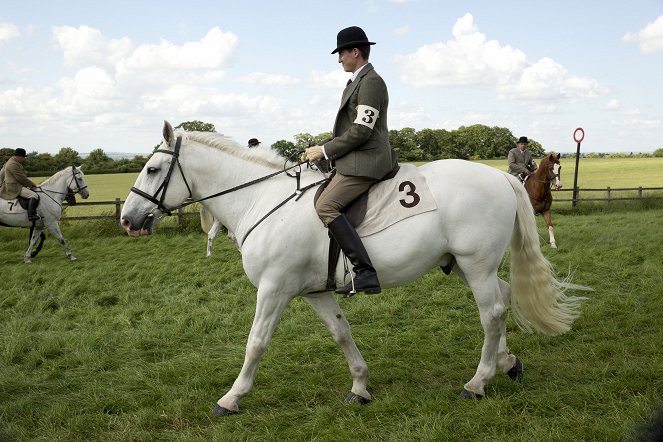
pixel 20 152
pixel 523 140
pixel 253 142
pixel 352 37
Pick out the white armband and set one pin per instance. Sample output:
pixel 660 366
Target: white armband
pixel 367 115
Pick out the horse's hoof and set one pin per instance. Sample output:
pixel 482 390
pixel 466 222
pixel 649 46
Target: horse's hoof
pixel 27 261
pixel 356 399
pixel 553 246
pixel 220 411
pixel 72 258
pixel 466 394
pixel 516 372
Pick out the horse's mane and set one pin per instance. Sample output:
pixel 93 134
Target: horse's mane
pixel 226 144
pixel 56 176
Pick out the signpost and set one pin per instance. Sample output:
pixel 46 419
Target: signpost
pixel 578 136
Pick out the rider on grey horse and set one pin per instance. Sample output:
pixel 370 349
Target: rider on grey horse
pixel 16 183
pixel 360 151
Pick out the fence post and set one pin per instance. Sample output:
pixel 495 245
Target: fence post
pixel 180 216
pixel 640 192
pixel 609 194
pixel 118 212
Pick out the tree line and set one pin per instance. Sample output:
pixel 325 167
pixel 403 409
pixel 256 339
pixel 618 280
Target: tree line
pixel 475 142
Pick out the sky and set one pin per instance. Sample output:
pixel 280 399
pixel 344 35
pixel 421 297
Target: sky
pixel 101 74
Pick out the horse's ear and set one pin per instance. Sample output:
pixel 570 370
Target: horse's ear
pixel 168 134
pixel 558 156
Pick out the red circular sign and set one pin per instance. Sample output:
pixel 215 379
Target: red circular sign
pixel 578 135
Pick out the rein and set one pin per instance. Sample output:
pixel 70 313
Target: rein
pixel 73 178
pixel 164 185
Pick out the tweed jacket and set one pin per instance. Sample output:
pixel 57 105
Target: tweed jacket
pixel 15 179
pixel 360 144
pixel 520 162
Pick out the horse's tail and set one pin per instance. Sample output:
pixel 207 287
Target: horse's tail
pixel 538 299
pixel 206 219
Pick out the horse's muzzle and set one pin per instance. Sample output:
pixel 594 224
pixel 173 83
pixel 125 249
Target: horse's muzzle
pixel 145 228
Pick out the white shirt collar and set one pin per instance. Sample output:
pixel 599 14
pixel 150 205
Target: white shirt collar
pixel 355 73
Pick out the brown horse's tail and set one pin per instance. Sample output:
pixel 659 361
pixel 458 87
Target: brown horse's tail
pixel 538 299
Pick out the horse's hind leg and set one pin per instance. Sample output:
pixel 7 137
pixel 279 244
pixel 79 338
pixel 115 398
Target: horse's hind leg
pixel 492 302
pixel 269 308
pixel 548 219
pixel 27 258
pixel 54 228
pixel 506 361
pixel 327 307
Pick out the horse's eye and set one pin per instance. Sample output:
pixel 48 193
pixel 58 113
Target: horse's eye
pixel 152 170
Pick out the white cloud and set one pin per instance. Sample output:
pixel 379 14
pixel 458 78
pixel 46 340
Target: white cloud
pixel 468 59
pixel 270 79
pixel 212 52
pixel 86 46
pixel 471 59
pixel 334 79
pixel 8 31
pixel 650 38
pixel 612 104
pixel 90 91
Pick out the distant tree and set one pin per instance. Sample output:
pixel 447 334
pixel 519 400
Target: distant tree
pixel 658 152
pixel 97 156
pixel 196 125
pixel 285 148
pixel 66 157
pixel 404 142
pixel 5 154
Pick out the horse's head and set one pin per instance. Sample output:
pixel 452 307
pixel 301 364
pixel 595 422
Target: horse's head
pixel 159 188
pixel 76 184
pixel 553 169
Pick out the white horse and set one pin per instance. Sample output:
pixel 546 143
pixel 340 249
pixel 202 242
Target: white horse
pixel 52 191
pixel 481 210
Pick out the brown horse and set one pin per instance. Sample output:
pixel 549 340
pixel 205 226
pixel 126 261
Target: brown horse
pixel 538 188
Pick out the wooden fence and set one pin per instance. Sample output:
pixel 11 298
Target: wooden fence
pixel 612 194
pixel 117 204
pixel 606 195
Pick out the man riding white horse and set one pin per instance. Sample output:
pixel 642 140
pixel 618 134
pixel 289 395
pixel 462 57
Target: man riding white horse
pixel 360 151
pixel 16 183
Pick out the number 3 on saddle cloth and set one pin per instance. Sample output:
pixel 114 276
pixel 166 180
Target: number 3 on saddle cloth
pixel 396 197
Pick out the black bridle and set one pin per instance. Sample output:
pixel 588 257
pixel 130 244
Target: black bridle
pixel 164 185
pixel 158 200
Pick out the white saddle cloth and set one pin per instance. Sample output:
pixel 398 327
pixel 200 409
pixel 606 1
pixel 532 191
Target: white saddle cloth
pixel 391 201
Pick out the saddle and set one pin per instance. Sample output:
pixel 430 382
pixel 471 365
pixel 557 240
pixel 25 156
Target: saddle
pixel 355 212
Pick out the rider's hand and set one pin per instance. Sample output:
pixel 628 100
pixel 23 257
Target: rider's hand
pixel 313 154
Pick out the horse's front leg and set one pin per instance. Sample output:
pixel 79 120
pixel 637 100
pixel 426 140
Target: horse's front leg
pixel 27 258
pixel 327 307
pixel 54 228
pixel 269 308
pixel 547 218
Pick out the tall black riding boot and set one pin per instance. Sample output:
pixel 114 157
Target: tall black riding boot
pixel 366 280
pixel 32 209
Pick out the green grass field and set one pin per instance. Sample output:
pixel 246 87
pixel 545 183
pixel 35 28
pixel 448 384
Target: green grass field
pixel 138 338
